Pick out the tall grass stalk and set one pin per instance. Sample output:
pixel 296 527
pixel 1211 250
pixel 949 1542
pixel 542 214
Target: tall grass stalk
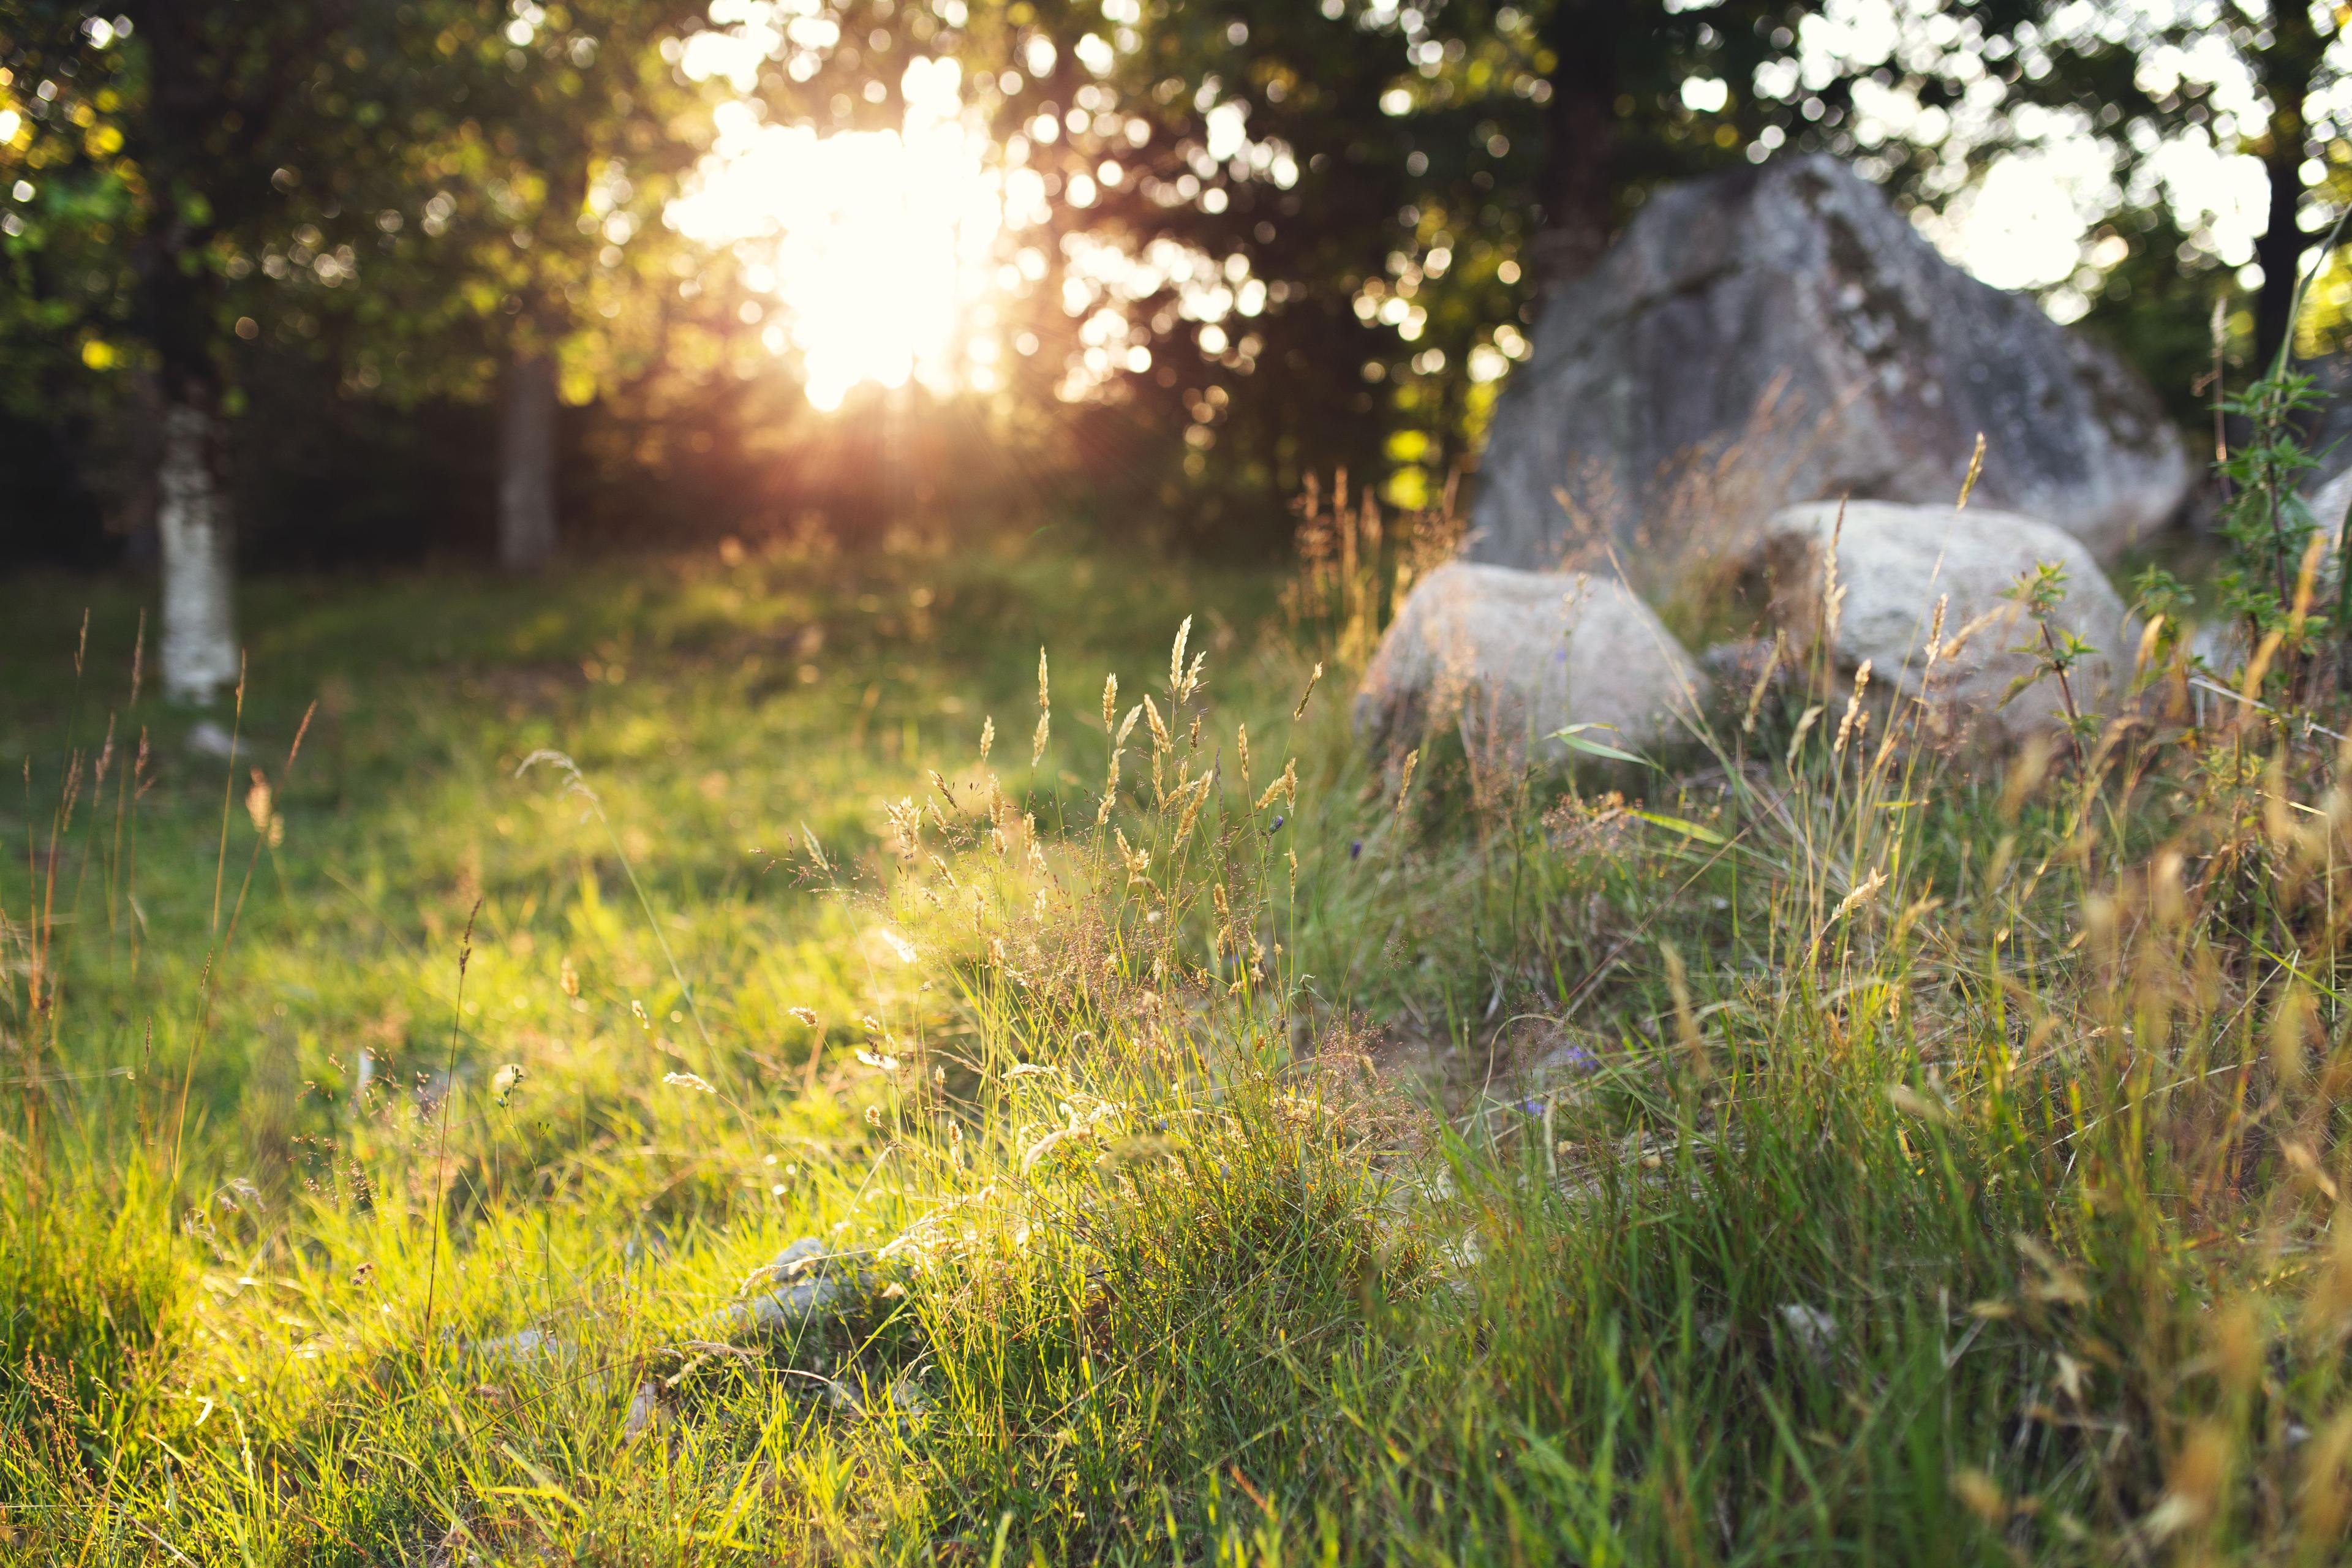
pixel 1825 1148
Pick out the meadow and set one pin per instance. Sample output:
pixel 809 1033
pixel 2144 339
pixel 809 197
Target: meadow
pixel 1209 1143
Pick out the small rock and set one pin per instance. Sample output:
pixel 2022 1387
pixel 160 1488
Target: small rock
pixel 810 1287
pixel 1895 562
pixel 647 1412
pixel 1510 658
pixel 207 739
pixel 1815 1331
pixel 524 1345
pixel 907 1394
pixel 1736 667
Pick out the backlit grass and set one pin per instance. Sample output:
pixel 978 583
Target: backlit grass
pixel 1855 1154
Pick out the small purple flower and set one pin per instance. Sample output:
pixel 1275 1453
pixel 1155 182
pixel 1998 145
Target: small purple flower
pixel 1355 849
pixel 1569 1062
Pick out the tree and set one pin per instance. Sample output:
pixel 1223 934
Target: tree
pixel 2145 78
pixel 147 150
pixel 1348 211
pixel 515 248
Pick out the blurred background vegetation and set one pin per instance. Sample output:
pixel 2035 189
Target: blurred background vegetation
pixel 1197 251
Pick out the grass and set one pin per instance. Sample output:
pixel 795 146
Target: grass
pixel 1857 1155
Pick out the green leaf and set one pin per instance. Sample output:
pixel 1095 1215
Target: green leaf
pixel 1574 736
pixel 1687 829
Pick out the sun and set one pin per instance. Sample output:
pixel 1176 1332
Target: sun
pixel 877 248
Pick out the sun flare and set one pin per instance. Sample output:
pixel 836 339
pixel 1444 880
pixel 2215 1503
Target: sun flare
pixel 877 248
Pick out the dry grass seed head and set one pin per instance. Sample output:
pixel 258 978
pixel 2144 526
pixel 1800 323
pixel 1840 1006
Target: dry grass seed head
pixel 1854 718
pixel 1284 787
pixel 1797 741
pixel 1176 661
pixel 1763 682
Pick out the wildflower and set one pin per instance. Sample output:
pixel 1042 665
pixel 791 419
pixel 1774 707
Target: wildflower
pixel 689 1080
pixel 1573 1059
pixel 808 1017
pixel 503 1085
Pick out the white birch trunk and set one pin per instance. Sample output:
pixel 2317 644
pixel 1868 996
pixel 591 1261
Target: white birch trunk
pixel 199 651
pixel 527 406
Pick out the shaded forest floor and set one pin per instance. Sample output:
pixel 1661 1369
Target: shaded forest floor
pixel 680 1066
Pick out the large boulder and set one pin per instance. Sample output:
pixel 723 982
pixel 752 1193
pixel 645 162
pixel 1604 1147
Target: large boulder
pixel 1510 658
pixel 1895 564
pixel 2327 434
pixel 1782 334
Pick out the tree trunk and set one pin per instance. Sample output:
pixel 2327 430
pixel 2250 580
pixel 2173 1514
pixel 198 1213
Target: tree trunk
pixel 199 643
pixel 527 465
pixel 2286 70
pixel 1581 177
pixel 2280 251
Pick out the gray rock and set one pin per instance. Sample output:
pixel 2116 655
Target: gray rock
pixel 1814 1332
pixel 1513 657
pixel 2223 646
pixel 645 1413
pixel 1896 563
pixel 208 738
pixel 808 1287
pixel 2330 499
pixel 2327 434
pixel 1782 334
pixel 524 1345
